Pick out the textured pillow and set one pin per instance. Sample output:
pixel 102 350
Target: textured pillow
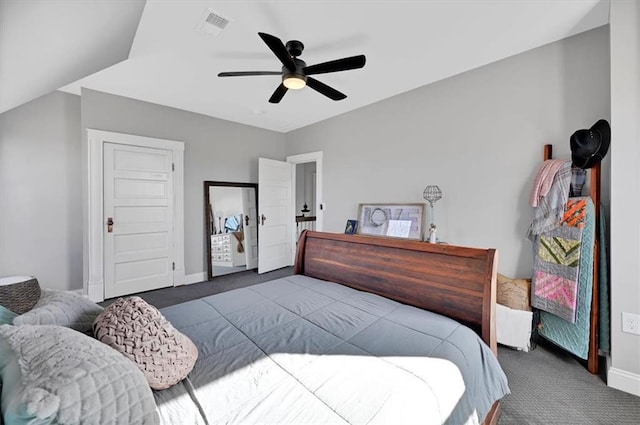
pixel 19 293
pixel 62 308
pixel 514 293
pixel 139 331
pixel 56 375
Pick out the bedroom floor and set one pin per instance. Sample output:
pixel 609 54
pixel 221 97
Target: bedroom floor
pixel 548 386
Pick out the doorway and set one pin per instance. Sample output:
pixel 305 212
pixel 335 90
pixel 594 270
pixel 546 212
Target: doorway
pixel 96 225
pixel 308 167
pixel 277 208
pixel 231 232
pixel 305 197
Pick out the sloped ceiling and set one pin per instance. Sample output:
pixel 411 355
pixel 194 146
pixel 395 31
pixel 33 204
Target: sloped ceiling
pixel 47 44
pixel 408 44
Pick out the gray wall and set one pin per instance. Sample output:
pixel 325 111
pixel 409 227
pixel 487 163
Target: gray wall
pixel 478 135
pixel 215 150
pixel 40 191
pixel 625 183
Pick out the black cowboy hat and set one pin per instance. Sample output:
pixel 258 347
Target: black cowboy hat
pixel 588 147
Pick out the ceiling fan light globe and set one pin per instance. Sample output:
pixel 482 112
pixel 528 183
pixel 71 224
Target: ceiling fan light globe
pixel 294 82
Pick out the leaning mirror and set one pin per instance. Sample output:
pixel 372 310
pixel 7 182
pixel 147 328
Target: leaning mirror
pixel 231 227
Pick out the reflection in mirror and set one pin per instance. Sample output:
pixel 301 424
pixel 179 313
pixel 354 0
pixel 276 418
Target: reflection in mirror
pixel 231 211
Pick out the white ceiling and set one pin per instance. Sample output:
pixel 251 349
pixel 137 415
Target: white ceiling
pixel 408 44
pixel 47 44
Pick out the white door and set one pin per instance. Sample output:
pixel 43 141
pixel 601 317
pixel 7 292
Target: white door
pixel 250 211
pixel 275 215
pixel 138 201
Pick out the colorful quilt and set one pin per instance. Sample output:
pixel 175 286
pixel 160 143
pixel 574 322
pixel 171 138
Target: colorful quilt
pixel 574 337
pixel 556 268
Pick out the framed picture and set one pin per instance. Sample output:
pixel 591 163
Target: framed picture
pixel 351 228
pixel 392 220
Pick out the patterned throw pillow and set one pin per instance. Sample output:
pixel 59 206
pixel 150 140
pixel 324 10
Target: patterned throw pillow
pixel 19 293
pixel 55 375
pixel 62 308
pixel 514 293
pixel 140 332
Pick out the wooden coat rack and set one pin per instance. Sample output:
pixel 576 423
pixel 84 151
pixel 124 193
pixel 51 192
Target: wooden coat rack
pixel 594 187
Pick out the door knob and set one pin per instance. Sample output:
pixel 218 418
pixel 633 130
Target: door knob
pixel 262 218
pixel 109 224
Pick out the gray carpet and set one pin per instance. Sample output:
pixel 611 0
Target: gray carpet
pixel 548 386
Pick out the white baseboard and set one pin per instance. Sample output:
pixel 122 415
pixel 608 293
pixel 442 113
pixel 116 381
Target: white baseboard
pixel 95 291
pixel 195 278
pixel 179 277
pixel 624 381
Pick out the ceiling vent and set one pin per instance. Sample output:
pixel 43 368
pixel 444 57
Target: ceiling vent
pixel 212 23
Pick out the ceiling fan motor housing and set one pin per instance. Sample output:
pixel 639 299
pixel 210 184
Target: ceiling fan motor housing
pixel 298 73
pixel 294 47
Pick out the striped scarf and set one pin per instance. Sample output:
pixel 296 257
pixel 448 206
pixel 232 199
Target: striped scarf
pixel 550 210
pixel 544 179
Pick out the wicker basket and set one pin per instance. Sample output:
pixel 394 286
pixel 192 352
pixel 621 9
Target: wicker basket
pixel 19 296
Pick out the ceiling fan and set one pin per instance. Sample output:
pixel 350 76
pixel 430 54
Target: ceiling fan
pixel 295 73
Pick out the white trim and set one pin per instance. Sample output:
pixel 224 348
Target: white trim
pixel 301 159
pixel 80 292
pixel 195 278
pixel 95 291
pixel 624 381
pixel 178 217
pixel 93 256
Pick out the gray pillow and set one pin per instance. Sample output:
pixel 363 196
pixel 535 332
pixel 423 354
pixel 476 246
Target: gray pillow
pixel 62 308
pixel 57 375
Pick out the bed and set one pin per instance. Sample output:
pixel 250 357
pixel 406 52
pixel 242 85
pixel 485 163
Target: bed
pixel 367 331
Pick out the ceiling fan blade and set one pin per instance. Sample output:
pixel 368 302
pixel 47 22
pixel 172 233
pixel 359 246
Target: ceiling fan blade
pixel 324 89
pixel 278 48
pixel 277 95
pixel 344 64
pixel 248 73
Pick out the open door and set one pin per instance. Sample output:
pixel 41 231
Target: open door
pixel 275 215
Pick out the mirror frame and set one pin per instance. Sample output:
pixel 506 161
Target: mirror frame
pixel 207 222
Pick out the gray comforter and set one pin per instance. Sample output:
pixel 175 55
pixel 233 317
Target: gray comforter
pixel 298 350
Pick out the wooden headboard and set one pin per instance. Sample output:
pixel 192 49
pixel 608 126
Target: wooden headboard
pixel 454 281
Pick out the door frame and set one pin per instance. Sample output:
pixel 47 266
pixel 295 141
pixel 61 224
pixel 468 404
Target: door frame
pixel 94 225
pixel 320 205
pixel 207 223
